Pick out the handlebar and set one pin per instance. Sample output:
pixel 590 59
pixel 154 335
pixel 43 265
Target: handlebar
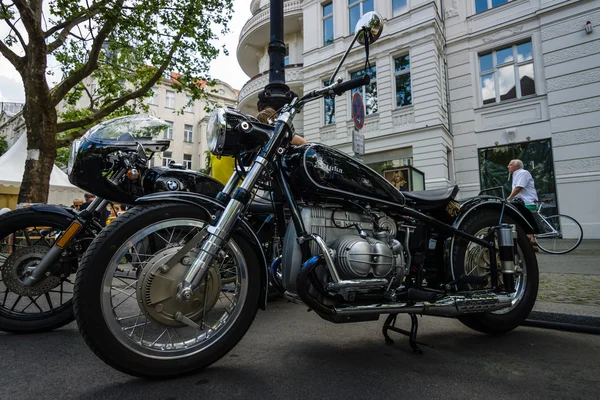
pixel 351 84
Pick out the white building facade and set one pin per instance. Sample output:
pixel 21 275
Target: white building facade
pixel 458 89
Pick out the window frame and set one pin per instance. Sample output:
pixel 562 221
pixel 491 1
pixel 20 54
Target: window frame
pixel 349 6
pixel 404 72
pixel 170 130
pixel 188 132
pixel 153 100
pixel 189 107
pixel 187 163
pixel 495 71
pixel 363 90
pixel 324 18
pixel 167 93
pixel 489 6
pixel 166 160
pixel 324 123
pixel 406 8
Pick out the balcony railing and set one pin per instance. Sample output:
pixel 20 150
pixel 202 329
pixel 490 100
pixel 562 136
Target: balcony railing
pixel 293 73
pixel 262 16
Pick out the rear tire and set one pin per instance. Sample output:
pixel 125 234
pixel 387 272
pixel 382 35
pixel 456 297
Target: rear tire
pixel 31 322
pixel 501 321
pixel 88 299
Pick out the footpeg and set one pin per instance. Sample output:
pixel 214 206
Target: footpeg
pixel 473 280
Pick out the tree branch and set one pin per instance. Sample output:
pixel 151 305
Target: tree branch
pixel 11 56
pixel 12 26
pixel 87 13
pixel 65 126
pixel 67 140
pixel 62 36
pixel 66 85
pixel 28 17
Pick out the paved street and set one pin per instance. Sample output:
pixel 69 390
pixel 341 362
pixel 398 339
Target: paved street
pixel 291 354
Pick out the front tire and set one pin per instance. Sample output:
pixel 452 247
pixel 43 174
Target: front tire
pixel 183 349
pixel 469 258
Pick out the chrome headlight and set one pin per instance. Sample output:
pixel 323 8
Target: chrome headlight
pixel 215 133
pixel 72 155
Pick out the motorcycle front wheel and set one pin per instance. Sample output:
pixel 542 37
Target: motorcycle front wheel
pixel 26 236
pixel 125 295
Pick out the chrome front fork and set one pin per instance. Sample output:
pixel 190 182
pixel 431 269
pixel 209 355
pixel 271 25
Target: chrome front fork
pixel 218 234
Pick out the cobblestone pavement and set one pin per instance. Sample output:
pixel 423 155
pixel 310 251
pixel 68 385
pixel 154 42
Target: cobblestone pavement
pixel 569 288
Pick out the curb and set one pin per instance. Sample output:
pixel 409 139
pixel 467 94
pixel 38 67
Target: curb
pixel 566 322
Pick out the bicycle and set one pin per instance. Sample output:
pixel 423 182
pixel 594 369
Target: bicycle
pixel 563 233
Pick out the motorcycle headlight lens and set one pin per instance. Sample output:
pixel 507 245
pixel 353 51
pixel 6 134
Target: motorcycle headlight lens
pixel 73 155
pixel 215 133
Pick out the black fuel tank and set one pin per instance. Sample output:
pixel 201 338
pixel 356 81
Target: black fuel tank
pixel 316 171
pixel 163 179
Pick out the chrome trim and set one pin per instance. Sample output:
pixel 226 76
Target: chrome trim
pixel 327 256
pixel 450 306
pixel 358 283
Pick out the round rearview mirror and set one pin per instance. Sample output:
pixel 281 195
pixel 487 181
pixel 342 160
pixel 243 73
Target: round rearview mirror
pixel 369 27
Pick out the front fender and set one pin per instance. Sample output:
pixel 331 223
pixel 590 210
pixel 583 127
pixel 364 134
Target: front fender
pixel 52 209
pixel 213 208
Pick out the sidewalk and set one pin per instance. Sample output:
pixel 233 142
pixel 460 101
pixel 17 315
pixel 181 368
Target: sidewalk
pixel 569 289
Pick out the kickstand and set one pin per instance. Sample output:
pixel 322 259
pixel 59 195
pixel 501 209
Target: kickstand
pixel 390 323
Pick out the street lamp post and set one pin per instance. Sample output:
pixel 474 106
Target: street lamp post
pixel 276 93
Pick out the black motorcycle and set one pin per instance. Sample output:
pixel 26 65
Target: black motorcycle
pixel 40 246
pixel 355 248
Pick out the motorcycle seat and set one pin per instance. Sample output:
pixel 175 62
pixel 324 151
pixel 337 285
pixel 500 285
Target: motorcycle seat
pixel 432 196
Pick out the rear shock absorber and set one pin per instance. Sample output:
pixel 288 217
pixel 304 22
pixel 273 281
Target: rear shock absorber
pixel 507 249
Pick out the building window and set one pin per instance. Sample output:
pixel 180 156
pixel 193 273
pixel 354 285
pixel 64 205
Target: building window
pixel 286 60
pixel 501 69
pixel 188 133
pixel 328 108
pixel 169 131
pixel 189 105
pixel 170 99
pixel 402 75
pixel 369 92
pixel 153 99
pixel 356 9
pixel 399 7
pixel 484 5
pixel 187 161
pixel 167 158
pixel 327 24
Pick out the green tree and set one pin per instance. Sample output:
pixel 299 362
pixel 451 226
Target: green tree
pixel 126 46
pixel 3 145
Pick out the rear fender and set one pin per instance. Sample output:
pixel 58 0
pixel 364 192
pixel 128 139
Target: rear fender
pixel 494 203
pixel 484 203
pixel 213 208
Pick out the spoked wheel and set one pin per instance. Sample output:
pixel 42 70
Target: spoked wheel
pixel 566 237
pixel 472 259
pixel 126 304
pixel 26 236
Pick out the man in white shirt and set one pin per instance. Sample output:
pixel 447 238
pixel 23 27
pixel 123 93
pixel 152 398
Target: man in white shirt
pixel 522 184
pixel 523 187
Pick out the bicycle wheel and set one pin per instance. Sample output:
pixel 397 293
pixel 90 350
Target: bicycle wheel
pixel 567 236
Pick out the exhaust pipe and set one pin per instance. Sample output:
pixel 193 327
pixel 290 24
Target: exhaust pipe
pixel 449 306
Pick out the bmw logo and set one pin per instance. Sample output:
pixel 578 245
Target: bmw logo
pixel 173 185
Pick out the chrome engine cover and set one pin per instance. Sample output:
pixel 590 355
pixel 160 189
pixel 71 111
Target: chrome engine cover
pixel 355 256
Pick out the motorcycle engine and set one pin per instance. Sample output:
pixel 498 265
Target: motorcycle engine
pixel 371 253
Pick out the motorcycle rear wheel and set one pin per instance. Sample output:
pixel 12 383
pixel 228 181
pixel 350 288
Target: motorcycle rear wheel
pixel 25 237
pixel 526 281
pixel 151 344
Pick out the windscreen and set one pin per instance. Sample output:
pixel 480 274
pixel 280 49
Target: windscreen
pixel 132 128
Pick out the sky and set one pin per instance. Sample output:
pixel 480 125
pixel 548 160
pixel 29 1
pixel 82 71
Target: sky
pixel 224 68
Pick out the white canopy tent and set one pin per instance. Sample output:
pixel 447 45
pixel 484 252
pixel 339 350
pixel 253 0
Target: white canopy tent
pixel 12 167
